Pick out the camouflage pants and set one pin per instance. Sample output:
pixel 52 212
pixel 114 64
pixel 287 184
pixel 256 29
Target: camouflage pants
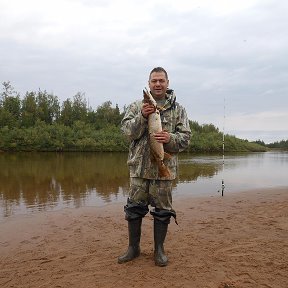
pixel 144 192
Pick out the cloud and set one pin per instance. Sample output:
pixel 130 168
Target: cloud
pixel 261 121
pixel 212 50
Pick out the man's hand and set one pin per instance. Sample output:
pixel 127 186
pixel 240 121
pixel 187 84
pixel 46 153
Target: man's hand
pixel 162 137
pixel 147 109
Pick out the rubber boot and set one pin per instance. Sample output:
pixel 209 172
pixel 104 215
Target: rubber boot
pixel 160 231
pixel 133 251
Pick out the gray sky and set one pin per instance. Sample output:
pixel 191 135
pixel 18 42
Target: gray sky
pixel 217 53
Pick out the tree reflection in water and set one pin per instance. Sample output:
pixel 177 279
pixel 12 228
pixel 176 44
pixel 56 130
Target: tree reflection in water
pixel 40 181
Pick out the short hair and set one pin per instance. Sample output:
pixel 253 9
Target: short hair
pixel 158 69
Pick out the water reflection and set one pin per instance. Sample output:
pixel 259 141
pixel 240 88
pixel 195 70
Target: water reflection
pixel 37 181
pixel 48 181
pixel 193 169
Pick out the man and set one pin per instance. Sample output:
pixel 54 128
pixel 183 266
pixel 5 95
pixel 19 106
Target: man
pixel 147 187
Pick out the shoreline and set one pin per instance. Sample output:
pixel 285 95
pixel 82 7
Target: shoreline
pixel 176 198
pixel 239 240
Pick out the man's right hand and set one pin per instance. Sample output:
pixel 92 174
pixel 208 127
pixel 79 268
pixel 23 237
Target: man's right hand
pixel 147 109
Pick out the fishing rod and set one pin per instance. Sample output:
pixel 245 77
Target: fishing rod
pixel 223 151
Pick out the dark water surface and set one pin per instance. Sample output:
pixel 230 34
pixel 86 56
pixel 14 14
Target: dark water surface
pixel 32 182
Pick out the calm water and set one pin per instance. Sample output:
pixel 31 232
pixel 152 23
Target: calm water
pixel 32 182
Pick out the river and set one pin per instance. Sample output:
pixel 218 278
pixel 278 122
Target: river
pixel 35 182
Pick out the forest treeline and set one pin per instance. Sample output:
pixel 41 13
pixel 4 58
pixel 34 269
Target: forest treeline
pixel 39 122
pixel 283 144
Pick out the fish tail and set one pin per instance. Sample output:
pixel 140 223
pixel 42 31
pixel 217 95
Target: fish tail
pixel 164 171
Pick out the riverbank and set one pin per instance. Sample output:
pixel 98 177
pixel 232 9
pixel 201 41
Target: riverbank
pixel 239 240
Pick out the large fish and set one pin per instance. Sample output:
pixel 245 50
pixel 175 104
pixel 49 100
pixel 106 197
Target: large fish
pixel 154 126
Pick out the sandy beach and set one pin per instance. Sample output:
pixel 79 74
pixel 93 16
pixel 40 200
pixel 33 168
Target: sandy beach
pixel 239 240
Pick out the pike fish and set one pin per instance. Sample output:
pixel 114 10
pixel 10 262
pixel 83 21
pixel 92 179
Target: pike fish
pixel 154 126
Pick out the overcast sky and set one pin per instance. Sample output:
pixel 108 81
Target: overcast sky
pixel 231 54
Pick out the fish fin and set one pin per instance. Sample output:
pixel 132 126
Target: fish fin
pixel 163 170
pixel 167 155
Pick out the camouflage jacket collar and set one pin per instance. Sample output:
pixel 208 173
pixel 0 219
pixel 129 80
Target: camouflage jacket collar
pixel 170 101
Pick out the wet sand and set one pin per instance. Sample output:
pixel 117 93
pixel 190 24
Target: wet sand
pixel 239 240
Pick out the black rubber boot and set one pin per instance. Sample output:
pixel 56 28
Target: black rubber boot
pixel 160 231
pixel 133 251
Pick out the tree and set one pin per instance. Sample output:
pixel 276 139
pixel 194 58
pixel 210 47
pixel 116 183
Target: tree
pixel 48 109
pixel 194 126
pixel 66 115
pixel 106 115
pixel 79 107
pixel 29 110
pixel 10 106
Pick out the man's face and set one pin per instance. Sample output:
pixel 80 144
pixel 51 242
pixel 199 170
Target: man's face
pixel 158 84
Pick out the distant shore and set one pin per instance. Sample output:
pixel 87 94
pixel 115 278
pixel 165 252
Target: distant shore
pixel 239 240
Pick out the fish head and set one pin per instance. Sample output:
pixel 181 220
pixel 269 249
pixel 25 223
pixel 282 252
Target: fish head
pixel 148 98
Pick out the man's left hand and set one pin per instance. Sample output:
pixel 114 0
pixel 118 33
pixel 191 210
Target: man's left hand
pixel 162 137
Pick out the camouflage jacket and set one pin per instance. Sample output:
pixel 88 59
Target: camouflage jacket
pixel 174 120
